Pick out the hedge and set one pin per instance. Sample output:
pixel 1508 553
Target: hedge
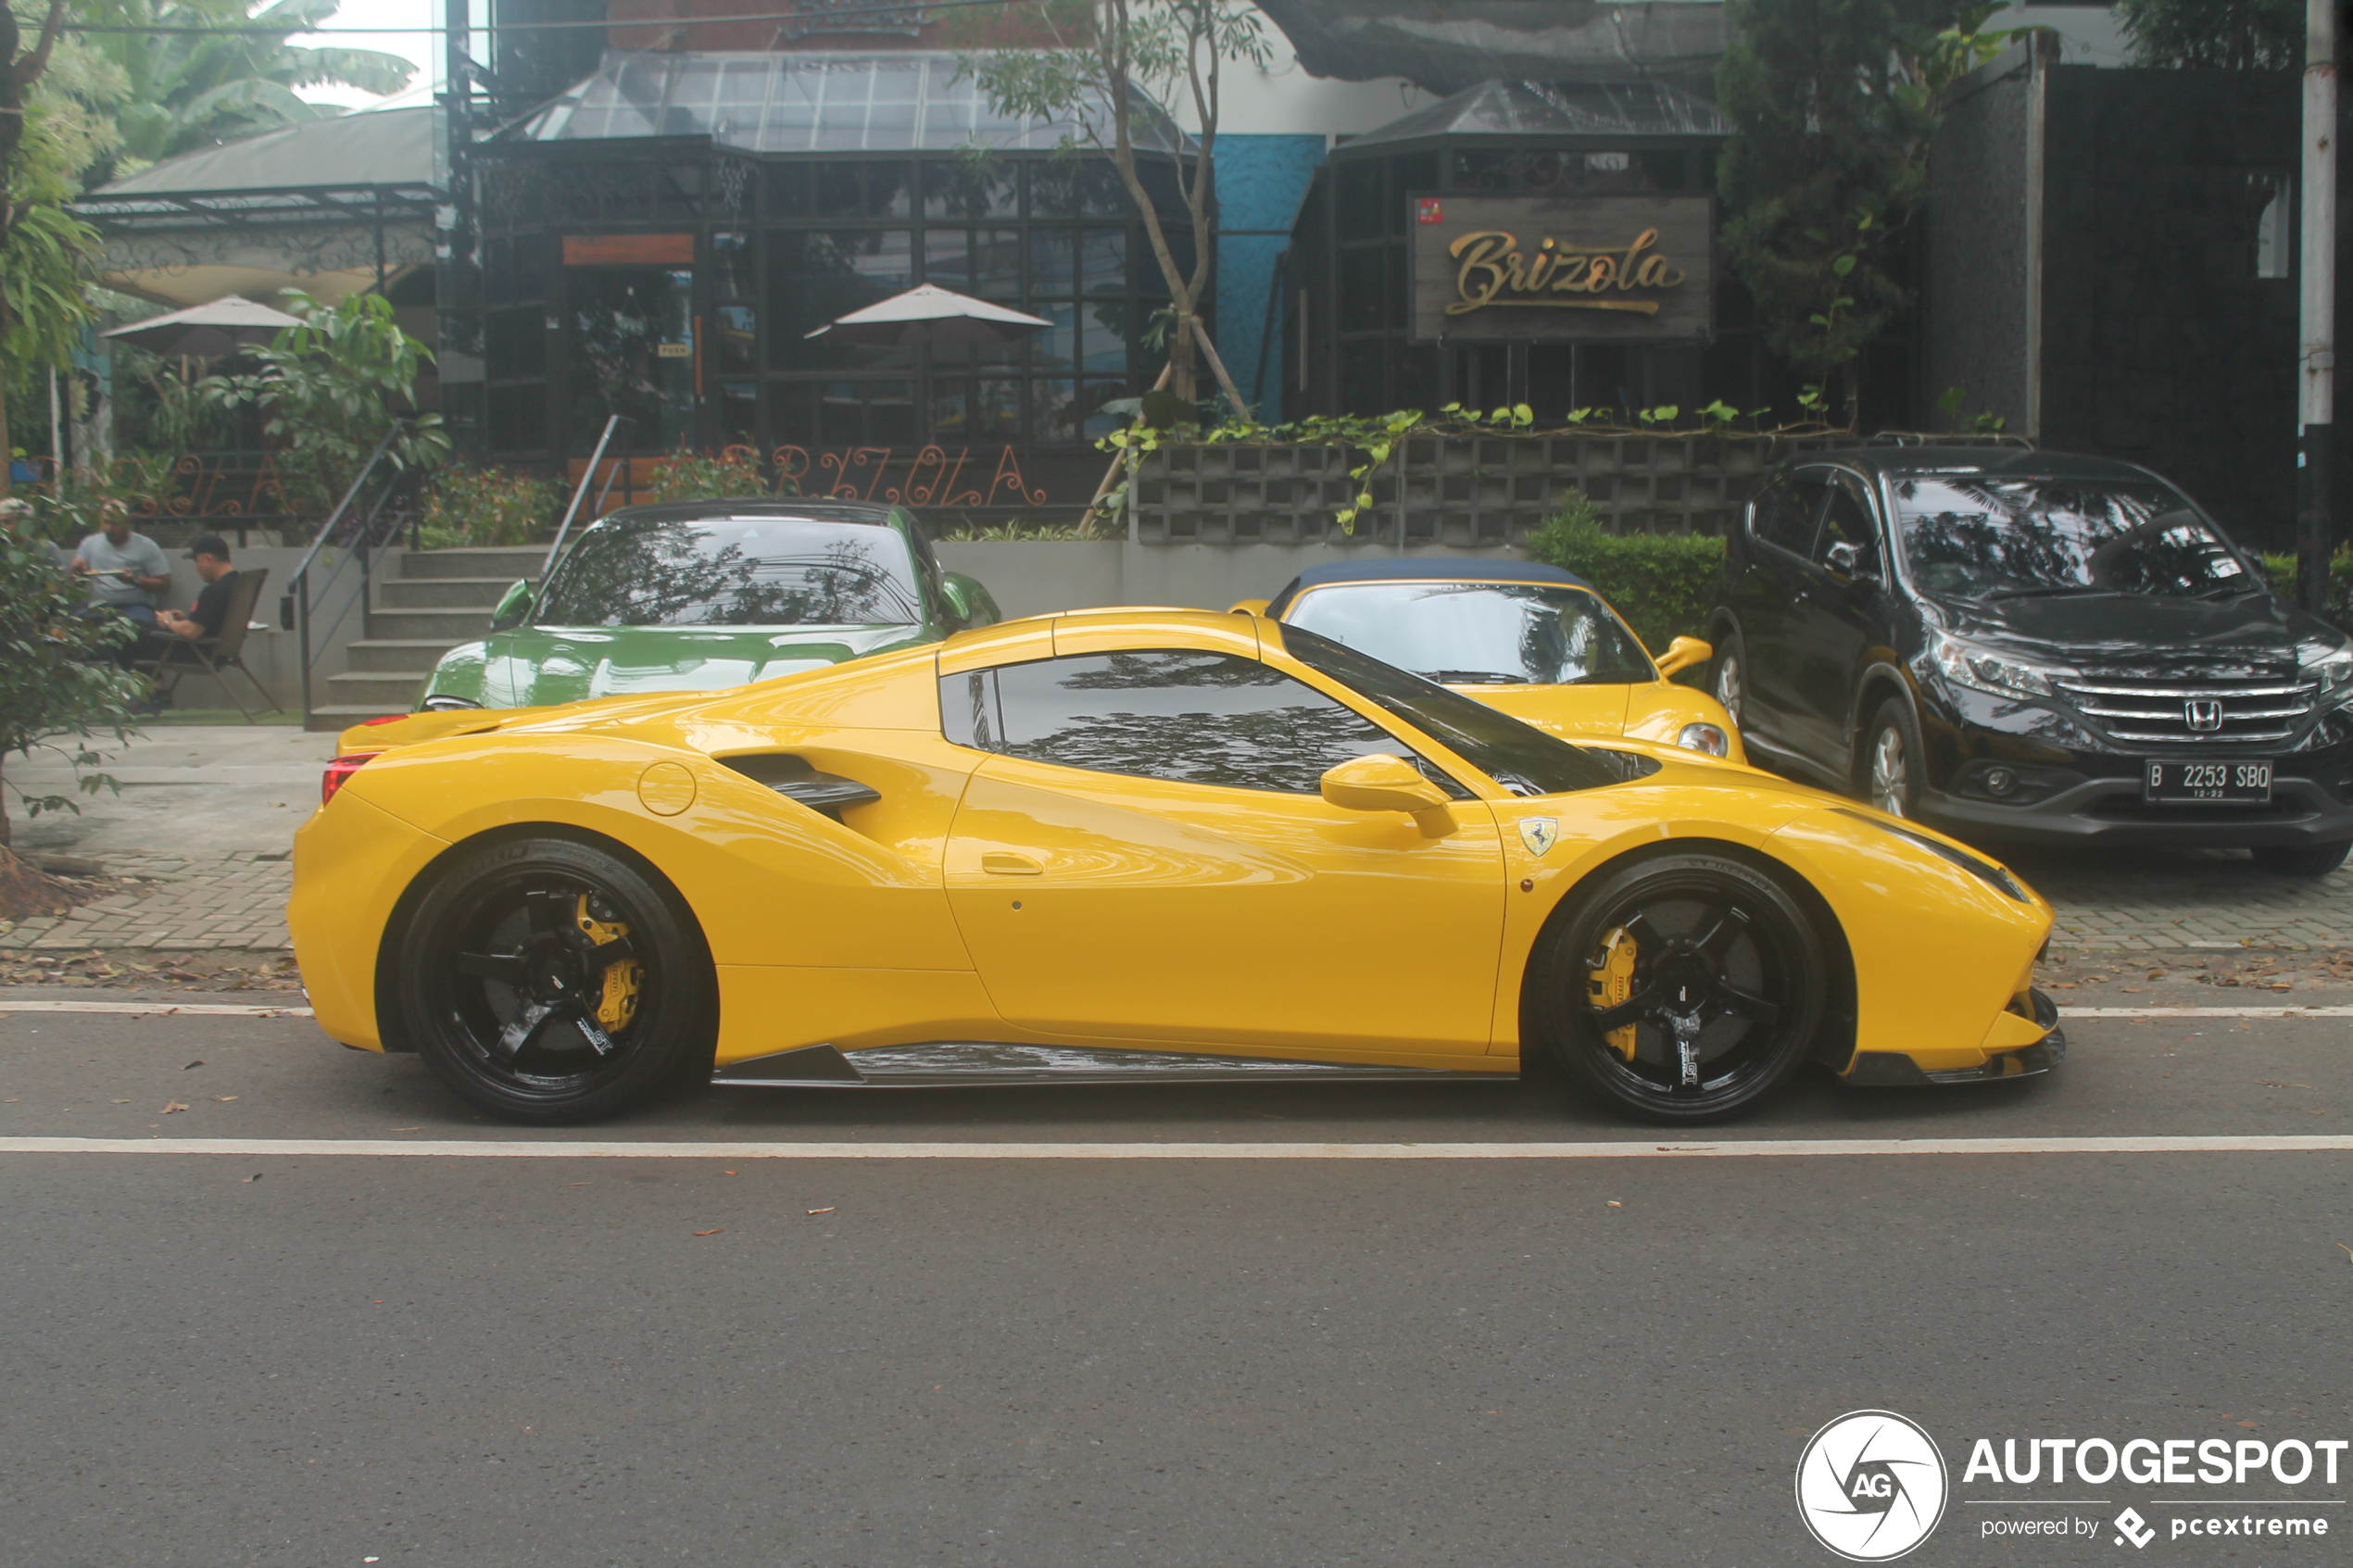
pixel 2339 609
pixel 1662 583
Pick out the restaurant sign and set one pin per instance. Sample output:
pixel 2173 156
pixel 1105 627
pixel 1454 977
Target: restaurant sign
pixel 1562 268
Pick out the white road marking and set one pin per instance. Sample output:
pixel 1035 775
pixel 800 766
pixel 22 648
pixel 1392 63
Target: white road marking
pixel 517 1149
pixel 2206 1012
pixel 164 1010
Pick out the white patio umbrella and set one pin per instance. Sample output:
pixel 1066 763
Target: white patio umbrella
pixel 930 314
pixel 206 332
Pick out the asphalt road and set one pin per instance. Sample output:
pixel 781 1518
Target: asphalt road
pixel 478 1358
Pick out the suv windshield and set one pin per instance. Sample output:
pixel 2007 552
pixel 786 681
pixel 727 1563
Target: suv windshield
pixel 736 571
pixel 2007 538
pixel 1478 633
pixel 1522 758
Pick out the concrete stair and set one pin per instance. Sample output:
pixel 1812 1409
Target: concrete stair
pixel 426 603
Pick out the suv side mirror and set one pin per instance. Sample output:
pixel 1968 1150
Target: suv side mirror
pixel 1379 782
pixel 1681 654
pixel 1851 560
pixel 514 607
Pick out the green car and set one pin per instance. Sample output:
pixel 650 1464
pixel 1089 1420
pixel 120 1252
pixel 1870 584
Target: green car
pixel 693 596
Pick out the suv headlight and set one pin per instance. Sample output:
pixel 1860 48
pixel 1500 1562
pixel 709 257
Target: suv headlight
pixel 1983 669
pixel 2329 663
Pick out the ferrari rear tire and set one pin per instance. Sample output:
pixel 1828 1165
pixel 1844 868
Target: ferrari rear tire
pixel 547 981
pixel 1683 987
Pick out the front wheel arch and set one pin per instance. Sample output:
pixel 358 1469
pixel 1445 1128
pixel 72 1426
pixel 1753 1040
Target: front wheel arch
pixel 390 1030
pixel 1834 1046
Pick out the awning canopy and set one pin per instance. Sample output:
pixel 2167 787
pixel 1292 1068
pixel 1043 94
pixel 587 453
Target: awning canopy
pixel 1452 44
pixel 206 332
pixel 807 102
pixel 928 313
pixel 1519 110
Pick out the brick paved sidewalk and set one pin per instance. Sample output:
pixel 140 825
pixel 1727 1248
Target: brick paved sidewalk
pixel 235 900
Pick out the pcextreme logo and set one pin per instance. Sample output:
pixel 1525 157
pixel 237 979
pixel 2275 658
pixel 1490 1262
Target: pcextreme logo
pixel 1870 1485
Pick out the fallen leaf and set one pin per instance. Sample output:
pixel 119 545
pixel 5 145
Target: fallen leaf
pixel 255 1177
pixel 579 1183
pixel 122 1102
pixel 1615 1204
pixel 726 1173
pixel 169 1107
pixel 706 1233
pixel 407 1129
pixel 224 1099
pixel 821 1211
pixel 199 1062
pixel 2248 1424
pixel 2348 1252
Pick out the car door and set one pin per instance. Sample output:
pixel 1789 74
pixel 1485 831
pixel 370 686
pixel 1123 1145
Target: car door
pixel 1834 623
pixel 1145 857
pixel 1781 525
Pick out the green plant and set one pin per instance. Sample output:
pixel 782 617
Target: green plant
pixel 1662 583
pixel 58 677
pixel 1099 82
pixel 2337 610
pixel 331 387
pixel 486 506
pixel 2224 34
pixel 1009 532
pixel 1982 423
pixel 703 476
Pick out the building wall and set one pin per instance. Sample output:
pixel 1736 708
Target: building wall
pixel 2161 346
pixel 1260 178
pixel 1977 225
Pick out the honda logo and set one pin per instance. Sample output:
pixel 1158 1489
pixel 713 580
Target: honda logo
pixel 2203 713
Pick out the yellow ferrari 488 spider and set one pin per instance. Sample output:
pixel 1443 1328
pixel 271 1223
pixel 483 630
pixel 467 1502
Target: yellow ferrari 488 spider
pixel 1121 845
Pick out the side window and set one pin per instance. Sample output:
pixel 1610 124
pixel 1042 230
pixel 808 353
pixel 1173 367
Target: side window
pixel 1185 716
pixel 1787 510
pixel 1847 522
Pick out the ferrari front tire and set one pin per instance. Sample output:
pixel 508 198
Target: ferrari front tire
pixel 549 981
pixel 1683 987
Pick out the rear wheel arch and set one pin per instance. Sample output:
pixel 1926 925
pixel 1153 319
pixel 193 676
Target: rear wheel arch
pixel 1834 1044
pixel 390 1028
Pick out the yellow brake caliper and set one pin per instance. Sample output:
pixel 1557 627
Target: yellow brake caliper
pixel 617 1009
pixel 1610 981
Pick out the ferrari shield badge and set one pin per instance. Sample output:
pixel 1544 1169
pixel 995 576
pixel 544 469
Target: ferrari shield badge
pixel 1539 833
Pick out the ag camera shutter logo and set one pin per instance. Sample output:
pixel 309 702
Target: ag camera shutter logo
pixel 1871 1485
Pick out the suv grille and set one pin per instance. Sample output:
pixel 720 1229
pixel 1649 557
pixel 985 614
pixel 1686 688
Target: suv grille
pixel 2201 710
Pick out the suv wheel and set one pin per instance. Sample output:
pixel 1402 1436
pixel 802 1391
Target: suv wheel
pixel 1728 681
pixel 1889 766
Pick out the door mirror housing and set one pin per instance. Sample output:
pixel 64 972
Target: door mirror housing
pixel 1379 782
pixel 967 601
pixel 1851 560
pixel 1681 654
pixel 514 607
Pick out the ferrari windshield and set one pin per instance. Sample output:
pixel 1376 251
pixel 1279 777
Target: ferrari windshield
pixel 1522 758
pixel 1987 538
pixel 1478 633
pixel 736 571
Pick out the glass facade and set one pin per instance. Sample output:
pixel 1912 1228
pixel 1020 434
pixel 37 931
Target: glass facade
pixel 660 243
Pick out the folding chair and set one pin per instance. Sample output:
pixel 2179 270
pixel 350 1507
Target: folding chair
pixel 214 655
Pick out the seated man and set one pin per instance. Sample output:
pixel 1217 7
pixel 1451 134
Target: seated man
pixel 205 618
pixel 125 570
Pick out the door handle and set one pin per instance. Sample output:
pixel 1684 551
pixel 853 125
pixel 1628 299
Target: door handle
pixel 998 863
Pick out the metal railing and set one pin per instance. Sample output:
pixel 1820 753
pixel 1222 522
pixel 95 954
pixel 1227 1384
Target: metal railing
pixel 368 535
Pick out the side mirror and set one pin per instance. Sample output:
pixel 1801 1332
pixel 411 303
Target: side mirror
pixel 1379 782
pixel 1849 560
pixel 968 601
pixel 1246 607
pixel 1681 654
pixel 514 607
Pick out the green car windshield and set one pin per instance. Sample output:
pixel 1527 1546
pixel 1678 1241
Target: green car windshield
pixel 1478 633
pixel 736 571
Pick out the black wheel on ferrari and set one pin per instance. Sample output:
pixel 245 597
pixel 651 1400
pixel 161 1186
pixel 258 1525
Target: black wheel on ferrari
pixel 1681 987
pixel 549 981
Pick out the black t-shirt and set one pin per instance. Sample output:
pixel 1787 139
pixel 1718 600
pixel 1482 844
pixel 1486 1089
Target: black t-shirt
pixel 212 603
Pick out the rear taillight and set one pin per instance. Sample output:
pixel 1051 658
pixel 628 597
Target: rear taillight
pixel 381 719
pixel 339 772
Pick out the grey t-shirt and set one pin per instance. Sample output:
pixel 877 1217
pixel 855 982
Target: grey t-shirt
pixel 139 554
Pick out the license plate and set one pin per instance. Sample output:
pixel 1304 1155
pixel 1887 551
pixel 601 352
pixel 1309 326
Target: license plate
pixel 2207 783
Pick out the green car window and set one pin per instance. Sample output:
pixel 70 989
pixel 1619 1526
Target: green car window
pixel 736 571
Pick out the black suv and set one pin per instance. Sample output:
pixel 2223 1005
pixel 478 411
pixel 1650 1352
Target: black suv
pixel 2022 647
